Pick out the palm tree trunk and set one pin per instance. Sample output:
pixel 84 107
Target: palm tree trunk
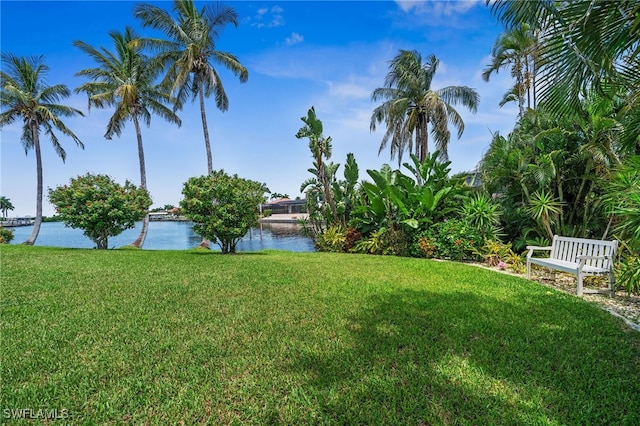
pixel 423 138
pixel 205 129
pixel 36 226
pixel 205 242
pixel 143 183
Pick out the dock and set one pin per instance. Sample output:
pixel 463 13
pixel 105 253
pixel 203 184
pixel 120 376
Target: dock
pixel 13 222
pixel 284 218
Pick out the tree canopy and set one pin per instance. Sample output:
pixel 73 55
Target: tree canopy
pixel 99 206
pixel 223 207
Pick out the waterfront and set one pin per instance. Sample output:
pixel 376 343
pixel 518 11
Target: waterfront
pixel 165 235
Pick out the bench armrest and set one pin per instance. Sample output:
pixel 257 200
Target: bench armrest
pixel 538 248
pixel 532 248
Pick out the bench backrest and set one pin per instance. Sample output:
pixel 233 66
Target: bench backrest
pixel 568 249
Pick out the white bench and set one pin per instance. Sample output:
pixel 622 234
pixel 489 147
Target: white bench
pixel 579 257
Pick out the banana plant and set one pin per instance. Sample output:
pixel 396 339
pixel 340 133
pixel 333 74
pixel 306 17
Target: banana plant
pixel 395 199
pixel 344 191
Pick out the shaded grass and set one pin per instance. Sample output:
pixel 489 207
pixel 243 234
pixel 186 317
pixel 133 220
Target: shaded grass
pixel 147 337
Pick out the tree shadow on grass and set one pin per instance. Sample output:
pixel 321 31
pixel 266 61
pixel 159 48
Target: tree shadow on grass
pixel 415 357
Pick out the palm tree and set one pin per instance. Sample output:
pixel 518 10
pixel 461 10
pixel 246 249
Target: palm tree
pixel 25 95
pixel 517 49
pixel 191 53
pixel 410 105
pixel 584 44
pixel 5 205
pixel 126 80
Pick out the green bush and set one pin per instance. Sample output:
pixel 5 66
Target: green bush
pixel 99 206
pixel 332 240
pixel 222 207
pixel 452 239
pixel 628 274
pixel 373 244
pixel 6 236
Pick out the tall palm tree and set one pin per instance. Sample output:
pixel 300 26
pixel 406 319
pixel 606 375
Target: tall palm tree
pixel 191 53
pixel 25 95
pixel 5 205
pixel 410 105
pixel 126 80
pixel 517 49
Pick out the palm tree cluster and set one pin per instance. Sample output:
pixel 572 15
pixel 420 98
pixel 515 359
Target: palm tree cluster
pixel 127 79
pixel 565 168
pixel 5 205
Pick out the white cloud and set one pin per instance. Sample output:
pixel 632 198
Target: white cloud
pixel 294 38
pixel 267 17
pixel 441 7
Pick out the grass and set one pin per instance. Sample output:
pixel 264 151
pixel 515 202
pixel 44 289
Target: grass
pixel 153 337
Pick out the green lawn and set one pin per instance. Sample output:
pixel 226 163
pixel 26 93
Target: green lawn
pixel 152 337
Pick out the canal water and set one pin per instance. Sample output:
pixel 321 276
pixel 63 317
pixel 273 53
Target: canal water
pixel 166 235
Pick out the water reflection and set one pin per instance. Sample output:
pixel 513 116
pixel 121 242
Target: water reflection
pixel 165 235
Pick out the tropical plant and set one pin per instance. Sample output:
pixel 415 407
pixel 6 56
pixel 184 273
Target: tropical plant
pixel 546 209
pixel 373 244
pixel 453 239
pixel 126 80
pixel 517 49
pixel 345 191
pixel 5 205
pixel 568 159
pixel 223 207
pixel 6 236
pixel 494 251
pixel 277 195
pixel 628 274
pixel 25 95
pixel 333 239
pixel 585 44
pixel 320 148
pixel 190 53
pixel 396 200
pixel 409 105
pixel 99 206
pixel 483 214
pixel 623 200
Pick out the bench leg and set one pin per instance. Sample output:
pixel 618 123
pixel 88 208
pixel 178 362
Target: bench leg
pixel 528 270
pixel 612 283
pixel 579 290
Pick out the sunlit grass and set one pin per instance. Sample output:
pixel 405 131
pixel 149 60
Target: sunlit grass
pixel 303 338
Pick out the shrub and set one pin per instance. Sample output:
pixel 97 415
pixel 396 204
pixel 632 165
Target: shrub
pixel 425 246
pixel 496 253
pixel 628 274
pixel 99 206
pixel 483 214
pixel 397 242
pixel 6 236
pixel 373 244
pixel 352 236
pixel 222 207
pixel 333 239
pixel 452 239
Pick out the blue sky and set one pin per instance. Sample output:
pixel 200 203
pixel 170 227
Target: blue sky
pixel 330 55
